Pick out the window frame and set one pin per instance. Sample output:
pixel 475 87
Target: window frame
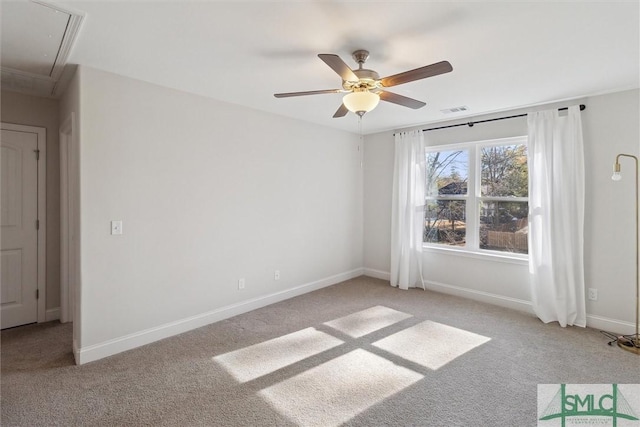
pixel 474 198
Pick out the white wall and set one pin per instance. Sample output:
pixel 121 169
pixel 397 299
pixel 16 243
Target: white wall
pixel 610 126
pixel 208 193
pixel 43 112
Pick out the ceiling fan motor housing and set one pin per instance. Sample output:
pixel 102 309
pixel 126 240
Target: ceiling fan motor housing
pixel 368 79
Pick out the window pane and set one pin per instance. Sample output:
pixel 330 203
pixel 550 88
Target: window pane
pixel 447 172
pixel 504 226
pixel 504 171
pixel 445 222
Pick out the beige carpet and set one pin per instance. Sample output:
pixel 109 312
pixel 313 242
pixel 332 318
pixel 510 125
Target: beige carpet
pixel 359 353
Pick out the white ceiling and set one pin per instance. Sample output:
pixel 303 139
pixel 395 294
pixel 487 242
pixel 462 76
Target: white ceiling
pixel 505 54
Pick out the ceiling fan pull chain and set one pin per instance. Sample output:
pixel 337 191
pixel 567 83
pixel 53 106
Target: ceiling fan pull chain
pixel 361 142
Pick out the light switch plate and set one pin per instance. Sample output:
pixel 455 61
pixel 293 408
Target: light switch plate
pixel 116 227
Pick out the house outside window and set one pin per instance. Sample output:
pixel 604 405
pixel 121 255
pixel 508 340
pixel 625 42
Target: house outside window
pixel 477 196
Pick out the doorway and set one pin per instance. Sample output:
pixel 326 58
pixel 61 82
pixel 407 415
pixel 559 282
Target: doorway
pixel 69 220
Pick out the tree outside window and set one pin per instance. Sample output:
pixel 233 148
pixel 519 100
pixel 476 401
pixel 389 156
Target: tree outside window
pixel 477 196
pixel 447 187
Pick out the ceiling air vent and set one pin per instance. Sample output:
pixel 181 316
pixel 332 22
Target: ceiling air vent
pixel 460 109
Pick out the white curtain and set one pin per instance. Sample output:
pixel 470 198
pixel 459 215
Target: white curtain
pixel 407 211
pixel 556 216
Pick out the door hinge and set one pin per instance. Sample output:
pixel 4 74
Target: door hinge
pixel 37 293
pixel 37 154
pixel 37 224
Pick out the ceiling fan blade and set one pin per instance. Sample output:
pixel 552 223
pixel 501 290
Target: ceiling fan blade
pixel 341 112
pixel 339 66
pixel 309 92
pixel 417 74
pixel 401 100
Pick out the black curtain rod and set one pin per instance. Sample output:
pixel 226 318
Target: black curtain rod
pixel 470 124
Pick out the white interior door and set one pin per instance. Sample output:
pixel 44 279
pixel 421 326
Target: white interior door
pixel 18 216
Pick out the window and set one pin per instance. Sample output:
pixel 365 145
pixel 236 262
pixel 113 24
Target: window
pixel 477 196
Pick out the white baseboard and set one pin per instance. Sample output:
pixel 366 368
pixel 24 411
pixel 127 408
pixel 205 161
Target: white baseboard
pixel 377 274
pixel 52 314
pixel 593 321
pixel 109 348
pixel 499 300
pixel 618 327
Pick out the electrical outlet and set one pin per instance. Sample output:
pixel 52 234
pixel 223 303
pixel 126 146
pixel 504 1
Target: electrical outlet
pixel 116 227
pixel 276 275
pixel 593 294
pixel 241 284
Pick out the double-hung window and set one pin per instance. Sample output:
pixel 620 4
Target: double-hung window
pixel 477 196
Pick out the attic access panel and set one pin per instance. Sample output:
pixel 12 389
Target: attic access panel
pixel 35 39
pixel 31 37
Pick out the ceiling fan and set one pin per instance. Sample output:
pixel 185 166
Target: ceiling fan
pixel 365 88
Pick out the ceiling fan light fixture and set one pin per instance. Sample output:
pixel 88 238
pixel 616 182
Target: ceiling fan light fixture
pixel 361 102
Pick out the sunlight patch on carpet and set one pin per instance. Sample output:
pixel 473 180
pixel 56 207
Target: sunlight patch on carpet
pixel 264 358
pixel 336 391
pixel 366 321
pixel 431 344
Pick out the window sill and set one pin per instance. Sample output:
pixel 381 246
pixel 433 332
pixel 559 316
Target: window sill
pixel 519 259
